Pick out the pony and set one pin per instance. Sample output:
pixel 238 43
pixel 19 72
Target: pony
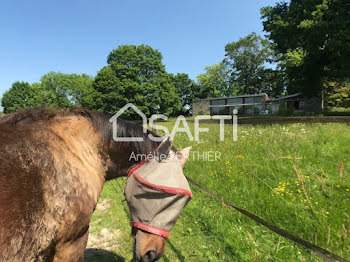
pixel 53 165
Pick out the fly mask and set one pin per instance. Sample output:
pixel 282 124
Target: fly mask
pixel 156 192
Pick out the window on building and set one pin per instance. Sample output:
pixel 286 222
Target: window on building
pixel 257 109
pixel 249 100
pixel 259 99
pixel 235 101
pixel 218 102
pixel 248 110
pixel 299 104
pixel 239 109
pixel 219 110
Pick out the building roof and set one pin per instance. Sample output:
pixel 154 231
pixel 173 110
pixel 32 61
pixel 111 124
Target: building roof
pixel 267 100
pixel 231 97
pixel 289 96
pixel 271 100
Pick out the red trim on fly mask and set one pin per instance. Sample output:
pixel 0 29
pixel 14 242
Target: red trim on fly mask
pixel 136 167
pixel 150 229
pixel 170 190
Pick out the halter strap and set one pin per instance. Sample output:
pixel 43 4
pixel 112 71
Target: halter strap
pixel 150 229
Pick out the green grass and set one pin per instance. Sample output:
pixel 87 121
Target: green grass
pixel 337 111
pixel 296 176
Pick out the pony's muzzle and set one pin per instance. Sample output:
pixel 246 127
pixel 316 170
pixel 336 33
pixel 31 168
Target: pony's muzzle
pixel 148 247
pixel 150 256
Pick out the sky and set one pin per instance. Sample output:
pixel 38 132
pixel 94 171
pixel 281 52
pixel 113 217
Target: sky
pixel 75 36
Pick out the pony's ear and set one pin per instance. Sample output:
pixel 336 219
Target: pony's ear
pixel 184 154
pixel 164 148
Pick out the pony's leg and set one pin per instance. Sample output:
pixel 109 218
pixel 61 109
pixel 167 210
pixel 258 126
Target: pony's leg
pixel 71 251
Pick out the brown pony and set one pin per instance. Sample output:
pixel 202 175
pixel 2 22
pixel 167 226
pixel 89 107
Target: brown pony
pixel 53 164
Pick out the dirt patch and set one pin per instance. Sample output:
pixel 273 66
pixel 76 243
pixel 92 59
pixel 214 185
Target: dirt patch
pixel 103 205
pixel 105 239
pixel 102 245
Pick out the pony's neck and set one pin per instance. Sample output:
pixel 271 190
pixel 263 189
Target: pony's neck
pixel 124 155
pixel 80 146
pixel 115 157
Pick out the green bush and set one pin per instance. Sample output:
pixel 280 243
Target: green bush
pixel 337 111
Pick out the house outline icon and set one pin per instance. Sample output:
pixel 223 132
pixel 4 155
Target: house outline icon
pixel 114 118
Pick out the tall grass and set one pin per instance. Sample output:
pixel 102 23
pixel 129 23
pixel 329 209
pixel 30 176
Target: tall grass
pixel 296 176
pixel 338 111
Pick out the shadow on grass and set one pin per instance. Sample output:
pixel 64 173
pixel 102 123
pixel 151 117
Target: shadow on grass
pixel 101 255
pixel 176 251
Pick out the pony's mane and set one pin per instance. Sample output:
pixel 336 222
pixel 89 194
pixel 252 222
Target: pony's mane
pixel 99 121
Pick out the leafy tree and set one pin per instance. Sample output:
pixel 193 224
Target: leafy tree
pixel 55 89
pixel 187 90
pixel 65 90
pixel 136 62
pixel 338 94
pixel 135 74
pixel 246 61
pixel 272 82
pixel 20 95
pixel 313 36
pixel 215 82
pixel 107 93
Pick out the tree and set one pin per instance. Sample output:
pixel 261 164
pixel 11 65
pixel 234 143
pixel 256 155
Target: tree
pixel 215 82
pixel 313 37
pixel 338 94
pixel 246 61
pixel 65 90
pixel 187 90
pixel 54 89
pixel 20 95
pixel 134 74
pixel 272 82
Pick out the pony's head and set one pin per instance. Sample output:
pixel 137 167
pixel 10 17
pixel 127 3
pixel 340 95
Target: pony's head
pixel 156 192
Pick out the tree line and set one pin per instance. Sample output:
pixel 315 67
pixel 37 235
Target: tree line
pixel 306 49
pixel 134 74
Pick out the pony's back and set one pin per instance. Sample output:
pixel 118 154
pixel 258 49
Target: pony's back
pixel 50 179
pixel 22 156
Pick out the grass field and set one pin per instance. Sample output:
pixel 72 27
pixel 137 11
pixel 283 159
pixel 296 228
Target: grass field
pixel 296 176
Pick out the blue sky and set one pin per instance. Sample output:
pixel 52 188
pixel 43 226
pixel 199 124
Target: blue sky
pixel 75 36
